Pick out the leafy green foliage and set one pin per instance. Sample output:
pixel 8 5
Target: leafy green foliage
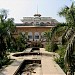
pixel 4 61
pixel 60 60
pixel 6 29
pixel 48 47
pixel 62 29
pixel 47 35
pixel 61 50
pixel 17 44
pixel 69 14
pixel 54 47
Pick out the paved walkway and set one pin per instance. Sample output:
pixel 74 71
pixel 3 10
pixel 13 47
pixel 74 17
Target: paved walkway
pixel 49 66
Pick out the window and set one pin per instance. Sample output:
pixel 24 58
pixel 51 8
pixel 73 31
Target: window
pixel 42 24
pixel 29 36
pixel 36 37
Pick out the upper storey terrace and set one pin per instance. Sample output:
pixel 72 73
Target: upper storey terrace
pixel 37 20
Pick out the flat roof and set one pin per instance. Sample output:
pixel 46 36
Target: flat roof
pixel 34 26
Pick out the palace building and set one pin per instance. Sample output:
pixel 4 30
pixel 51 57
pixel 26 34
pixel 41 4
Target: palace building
pixel 34 28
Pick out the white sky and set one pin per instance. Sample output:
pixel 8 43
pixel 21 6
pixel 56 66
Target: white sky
pixel 23 8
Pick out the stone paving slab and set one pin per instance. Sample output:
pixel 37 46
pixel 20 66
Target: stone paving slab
pixel 10 70
pixel 52 54
pixel 49 66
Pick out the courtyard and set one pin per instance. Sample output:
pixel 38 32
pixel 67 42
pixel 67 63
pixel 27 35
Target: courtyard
pixel 49 66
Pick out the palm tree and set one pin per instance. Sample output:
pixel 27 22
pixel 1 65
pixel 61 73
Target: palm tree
pixel 69 14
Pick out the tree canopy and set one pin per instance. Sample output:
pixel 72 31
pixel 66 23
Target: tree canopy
pixel 69 14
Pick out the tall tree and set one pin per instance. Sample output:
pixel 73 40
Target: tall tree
pixel 6 28
pixel 69 14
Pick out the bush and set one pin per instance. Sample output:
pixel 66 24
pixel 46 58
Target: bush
pixel 4 61
pixel 51 47
pixel 48 47
pixel 64 40
pixel 60 62
pixel 54 47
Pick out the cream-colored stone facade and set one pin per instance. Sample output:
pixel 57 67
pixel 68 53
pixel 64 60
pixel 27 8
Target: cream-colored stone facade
pixel 34 27
pixel 32 30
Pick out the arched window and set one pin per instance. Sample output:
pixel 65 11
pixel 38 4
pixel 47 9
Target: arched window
pixel 30 36
pixel 26 24
pixel 36 36
pixel 42 24
pixel 48 23
pixel 31 23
